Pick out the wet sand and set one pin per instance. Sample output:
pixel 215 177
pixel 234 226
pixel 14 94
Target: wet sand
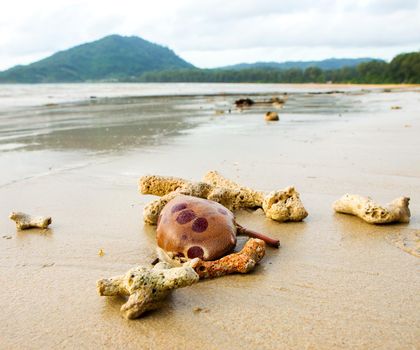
pixel 336 282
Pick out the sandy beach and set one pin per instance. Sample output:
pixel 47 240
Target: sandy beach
pixel 75 152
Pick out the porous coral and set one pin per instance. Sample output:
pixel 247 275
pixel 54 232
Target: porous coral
pixel 242 262
pixel 283 205
pixel 146 287
pixel 25 221
pixel 372 212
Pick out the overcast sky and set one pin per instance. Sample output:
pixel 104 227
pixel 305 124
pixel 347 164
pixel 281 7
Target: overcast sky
pixel 218 32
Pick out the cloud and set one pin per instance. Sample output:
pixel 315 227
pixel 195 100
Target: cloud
pixel 204 30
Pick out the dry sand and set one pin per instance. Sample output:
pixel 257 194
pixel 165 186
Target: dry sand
pixel 336 282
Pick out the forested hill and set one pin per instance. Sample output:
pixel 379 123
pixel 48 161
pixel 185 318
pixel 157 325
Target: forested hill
pixel 111 58
pixel 330 63
pixel 404 68
pixel 132 59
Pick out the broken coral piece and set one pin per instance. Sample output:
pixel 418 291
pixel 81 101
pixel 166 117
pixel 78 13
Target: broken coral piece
pixel 217 188
pixel 229 194
pixel 146 287
pixel 242 262
pixel 244 197
pixel 26 221
pixel 199 228
pixel 170 187
pixel 161 185
pixel 284 205
pixel 371 212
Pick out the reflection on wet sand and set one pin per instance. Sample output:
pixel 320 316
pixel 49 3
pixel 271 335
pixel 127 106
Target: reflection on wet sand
pixel 107 124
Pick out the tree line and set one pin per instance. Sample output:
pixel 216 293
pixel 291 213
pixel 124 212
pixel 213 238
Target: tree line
pixel 403 69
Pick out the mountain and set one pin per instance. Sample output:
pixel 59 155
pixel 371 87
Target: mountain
pixel 330 63
pixel 113 57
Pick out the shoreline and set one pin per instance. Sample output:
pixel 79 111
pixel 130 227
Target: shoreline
pixel 49 95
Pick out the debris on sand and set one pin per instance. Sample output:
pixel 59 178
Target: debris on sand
pixel 371 212
pixel 282 205
pixel 330 92
pixel 278 102
pixel 242 262
pixel 271 116
pixel 198 309
pixel 244 102
pixel 273 101
pixel 145 287
pixel 26 221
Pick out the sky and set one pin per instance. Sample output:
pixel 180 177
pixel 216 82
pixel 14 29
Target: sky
pixel 218 32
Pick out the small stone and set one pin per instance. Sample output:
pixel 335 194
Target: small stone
pixel 271 116
pixel 244 102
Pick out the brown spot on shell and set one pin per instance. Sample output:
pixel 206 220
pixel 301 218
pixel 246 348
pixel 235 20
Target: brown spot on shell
pixel 185 216
pixel 195 252
pixel 200 225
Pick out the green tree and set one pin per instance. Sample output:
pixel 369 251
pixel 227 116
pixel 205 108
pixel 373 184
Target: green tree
pixel 314 75
pixel 374 72
pixel 405 68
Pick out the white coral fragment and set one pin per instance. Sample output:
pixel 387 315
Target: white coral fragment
pixel 26 221
pixel 146 287
pixel 371 212
pixel 282 205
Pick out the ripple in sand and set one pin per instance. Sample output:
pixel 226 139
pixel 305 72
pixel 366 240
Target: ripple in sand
pixel 407 240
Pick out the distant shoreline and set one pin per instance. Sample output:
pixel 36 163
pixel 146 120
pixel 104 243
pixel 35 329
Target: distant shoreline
pixel 384 85
pixel 23 95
